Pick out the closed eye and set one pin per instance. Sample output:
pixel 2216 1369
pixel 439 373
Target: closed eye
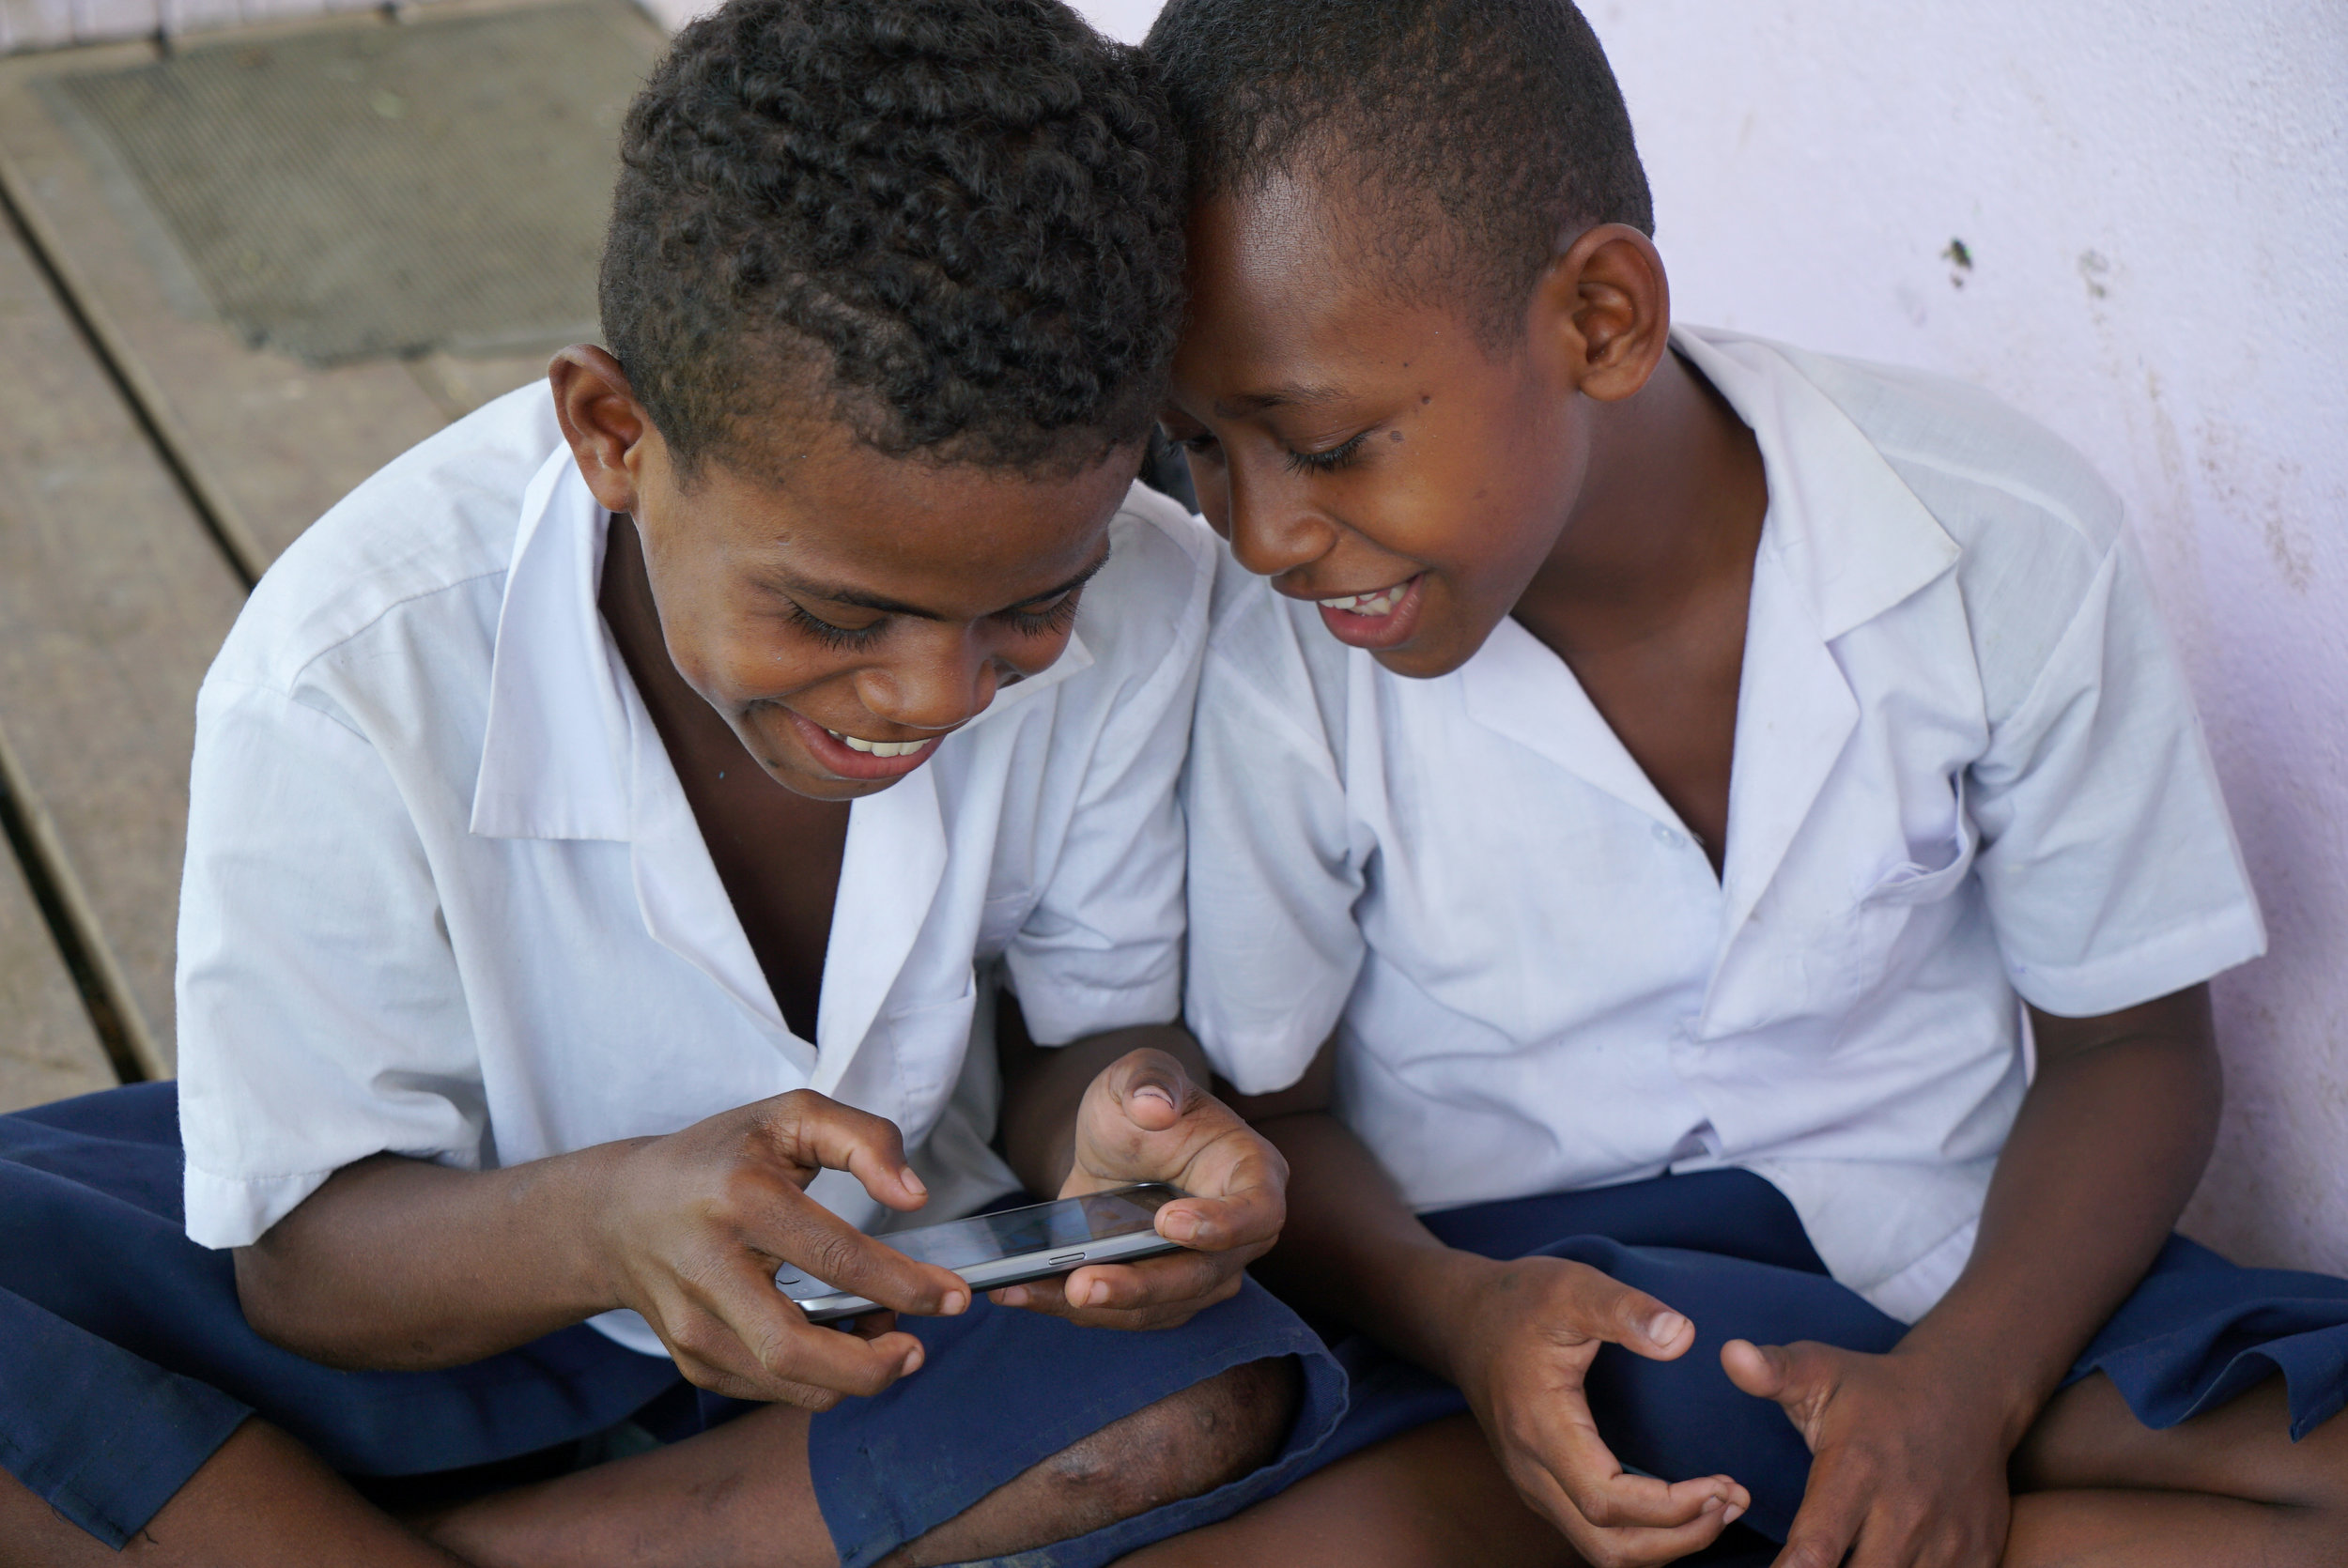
pixel 1332 459
pixel 829 635
pixel 1048 620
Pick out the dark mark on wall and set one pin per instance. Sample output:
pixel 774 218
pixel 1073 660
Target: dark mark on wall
pixel 1959 257
pixel 2095 269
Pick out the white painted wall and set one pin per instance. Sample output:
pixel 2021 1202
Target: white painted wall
pixel 2154 201
pixel 29 25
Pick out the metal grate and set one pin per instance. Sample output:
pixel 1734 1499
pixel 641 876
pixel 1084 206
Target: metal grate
pixel 373 189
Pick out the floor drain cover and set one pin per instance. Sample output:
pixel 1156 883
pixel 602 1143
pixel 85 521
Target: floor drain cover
pixel 362 190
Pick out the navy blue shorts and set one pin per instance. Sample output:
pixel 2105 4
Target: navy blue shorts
pixel 1726 1248
pixel 124 1361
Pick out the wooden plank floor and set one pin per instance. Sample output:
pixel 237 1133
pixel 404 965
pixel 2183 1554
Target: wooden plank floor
pixel 48 1049
pixel 151 464
pixel 267 443
pixel 114 599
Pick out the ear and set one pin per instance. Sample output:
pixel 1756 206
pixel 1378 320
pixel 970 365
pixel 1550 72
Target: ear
pixel 608 432
pixel 1604 307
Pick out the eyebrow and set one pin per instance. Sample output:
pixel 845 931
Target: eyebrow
pixel 835 596
pixel 1289 394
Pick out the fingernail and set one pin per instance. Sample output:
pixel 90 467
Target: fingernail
pixel 1182 1225
pixel 1013 1296
pixel 913 1180
pixel 1709 1504
pixel 1665 1327
pixel 1736 1512
pixel 913 1362
pixel 955 1303
pixel 1156 1092
pixel 1096 1294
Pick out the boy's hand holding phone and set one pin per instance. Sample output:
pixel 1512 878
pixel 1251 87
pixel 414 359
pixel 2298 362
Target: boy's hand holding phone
pixel 1523 1336
pixel 1144 1118
pixel 694 1225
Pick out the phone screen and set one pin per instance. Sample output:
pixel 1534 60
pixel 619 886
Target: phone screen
pixel 1041 1227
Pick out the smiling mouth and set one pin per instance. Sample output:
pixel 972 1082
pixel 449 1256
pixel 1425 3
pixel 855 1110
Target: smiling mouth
pixel 1373 604
pixel 880 748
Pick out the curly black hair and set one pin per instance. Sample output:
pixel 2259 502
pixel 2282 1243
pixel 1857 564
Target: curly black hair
pixel 953 224
pixel 1476 136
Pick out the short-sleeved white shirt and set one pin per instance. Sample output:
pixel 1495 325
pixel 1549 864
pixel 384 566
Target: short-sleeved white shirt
pixel 446 897
pixel 1967 765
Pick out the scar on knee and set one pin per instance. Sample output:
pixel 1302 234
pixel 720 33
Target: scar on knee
pixel 1187 1444
pixel 1184 1446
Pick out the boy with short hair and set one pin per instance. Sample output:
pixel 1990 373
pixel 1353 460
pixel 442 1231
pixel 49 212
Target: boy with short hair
pixel 1645 782
pixel 608 825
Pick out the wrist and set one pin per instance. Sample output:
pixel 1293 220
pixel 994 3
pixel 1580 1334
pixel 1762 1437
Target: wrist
pixel 594 1222
pixel 1438 1292
pixel 1978 1372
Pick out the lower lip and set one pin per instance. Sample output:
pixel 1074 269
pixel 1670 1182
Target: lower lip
pixel 843 761
pixel 1376 632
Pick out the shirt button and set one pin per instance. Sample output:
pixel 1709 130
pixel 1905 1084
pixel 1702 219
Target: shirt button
pixel 1665 835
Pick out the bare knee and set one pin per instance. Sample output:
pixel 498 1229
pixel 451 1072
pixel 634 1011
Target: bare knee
pixel 1183 1446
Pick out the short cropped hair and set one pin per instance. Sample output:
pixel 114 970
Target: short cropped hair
pixel 953 224
pixel 1478 137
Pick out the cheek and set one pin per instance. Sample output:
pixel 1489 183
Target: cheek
pixel 733 669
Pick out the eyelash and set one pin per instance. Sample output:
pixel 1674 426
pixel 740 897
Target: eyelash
pixel 1330 461
pixel 1043 622
pixel 830 635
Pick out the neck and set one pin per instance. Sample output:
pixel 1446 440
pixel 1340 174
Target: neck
pixel 628 608
pixel 1669 509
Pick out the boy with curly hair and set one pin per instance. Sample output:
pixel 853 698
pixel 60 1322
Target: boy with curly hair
pixel 609 826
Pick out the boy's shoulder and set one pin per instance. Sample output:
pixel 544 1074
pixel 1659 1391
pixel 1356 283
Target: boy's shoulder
pixel 1148 607
pixel 1979 463
pixel 2034 524
pixel 442 515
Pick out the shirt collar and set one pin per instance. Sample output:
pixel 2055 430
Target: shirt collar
pixel 1846 540
pixel 1847 531
pixel 555 759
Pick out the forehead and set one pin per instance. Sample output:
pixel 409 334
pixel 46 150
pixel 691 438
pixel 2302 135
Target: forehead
pixel 955 538
pixel 1293 287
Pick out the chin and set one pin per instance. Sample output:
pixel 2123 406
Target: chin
pixel 816 786
pixel 1427 657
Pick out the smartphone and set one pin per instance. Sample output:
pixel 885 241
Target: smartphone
pixel 1013 1245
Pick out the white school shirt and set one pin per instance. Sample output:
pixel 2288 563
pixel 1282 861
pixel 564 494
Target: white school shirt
pixel 1966 766
pixel 446 897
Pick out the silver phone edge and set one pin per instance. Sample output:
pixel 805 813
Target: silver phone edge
pixel 998 1272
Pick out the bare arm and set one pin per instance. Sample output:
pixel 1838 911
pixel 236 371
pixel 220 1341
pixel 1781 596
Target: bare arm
pixel 399 1264
pixel 2111 1141
pixel 403 1264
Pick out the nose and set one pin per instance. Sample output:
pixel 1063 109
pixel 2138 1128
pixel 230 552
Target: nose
pixel 1272 526
pixel 942 679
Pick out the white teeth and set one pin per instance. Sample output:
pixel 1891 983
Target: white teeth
pixel 880 748
pixel 1379 603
